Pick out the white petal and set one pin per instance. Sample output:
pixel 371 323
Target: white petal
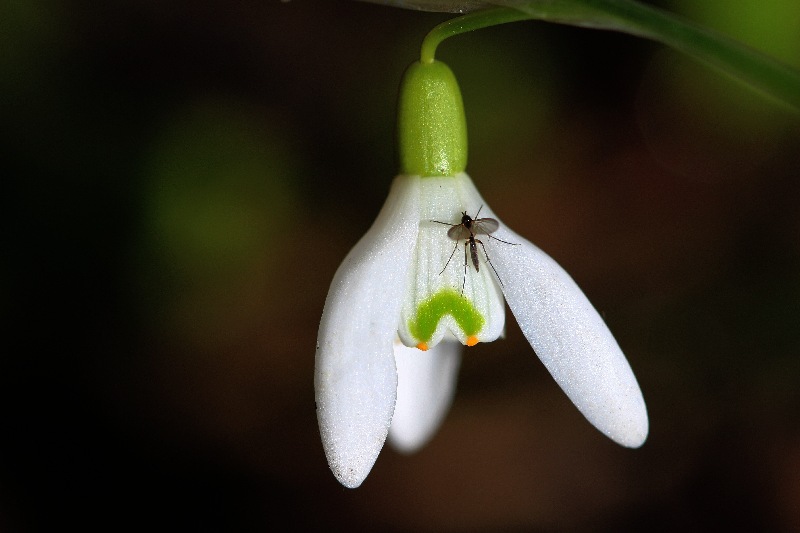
pixel 572 341
pixel 426 384
pixel 570 338
pixel 355 379
pixel 439 269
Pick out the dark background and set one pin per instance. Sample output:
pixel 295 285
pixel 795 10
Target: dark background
pixel 182 180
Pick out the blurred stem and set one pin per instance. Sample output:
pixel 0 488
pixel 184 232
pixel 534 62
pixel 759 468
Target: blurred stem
pixel 753 68
pixel 463 24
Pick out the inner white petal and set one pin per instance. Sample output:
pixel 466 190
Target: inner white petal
pixel 444 265
pixel 426 384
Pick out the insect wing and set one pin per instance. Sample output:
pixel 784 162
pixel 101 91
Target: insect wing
pixel 458 232
pixel 484 226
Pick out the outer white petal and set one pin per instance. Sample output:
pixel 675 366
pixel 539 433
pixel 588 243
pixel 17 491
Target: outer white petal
pixel 570 338
pixel 426 384
pixel 355 378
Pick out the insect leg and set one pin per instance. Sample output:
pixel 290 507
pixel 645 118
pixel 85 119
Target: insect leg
pixel 464 279
pixel 490 261
pixel 501 240
pixel 450 258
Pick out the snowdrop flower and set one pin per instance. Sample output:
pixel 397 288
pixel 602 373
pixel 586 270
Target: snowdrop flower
pixel 413 291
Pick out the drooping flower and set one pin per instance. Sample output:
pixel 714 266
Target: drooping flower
pixel 412 291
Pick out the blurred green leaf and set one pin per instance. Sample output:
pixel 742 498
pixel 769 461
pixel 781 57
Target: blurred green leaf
pixel 755 69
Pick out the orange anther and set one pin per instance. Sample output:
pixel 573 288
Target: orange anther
pixel 422 346
pixel 472 340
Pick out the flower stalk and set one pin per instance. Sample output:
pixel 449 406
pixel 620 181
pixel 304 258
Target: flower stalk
pixel 770 77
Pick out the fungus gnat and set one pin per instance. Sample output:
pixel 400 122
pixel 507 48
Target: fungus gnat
pixel 467 229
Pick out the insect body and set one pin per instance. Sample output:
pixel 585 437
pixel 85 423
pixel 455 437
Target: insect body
pixel 467 230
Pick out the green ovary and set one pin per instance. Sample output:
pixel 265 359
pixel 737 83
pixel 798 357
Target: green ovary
pixel 445 302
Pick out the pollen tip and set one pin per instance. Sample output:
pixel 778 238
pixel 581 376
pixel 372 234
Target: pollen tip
pixel 472 340
pixel 422 346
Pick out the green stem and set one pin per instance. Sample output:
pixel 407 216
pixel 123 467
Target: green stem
pixel 757 70
pixel 466 23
